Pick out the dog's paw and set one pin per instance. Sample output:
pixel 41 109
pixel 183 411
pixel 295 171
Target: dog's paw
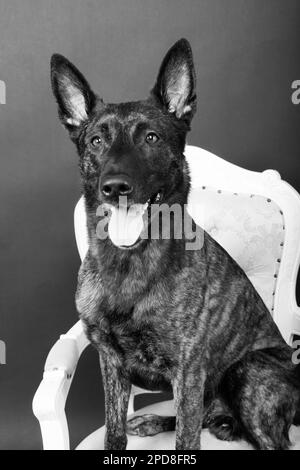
pixel 149 425
pixel 225 428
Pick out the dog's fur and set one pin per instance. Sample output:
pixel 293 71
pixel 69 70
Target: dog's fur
pixel 163 317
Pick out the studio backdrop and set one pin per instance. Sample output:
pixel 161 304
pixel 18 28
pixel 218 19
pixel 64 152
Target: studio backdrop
pixel 247 58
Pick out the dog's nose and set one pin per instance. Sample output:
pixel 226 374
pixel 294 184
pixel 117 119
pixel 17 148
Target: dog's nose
pixel 116 186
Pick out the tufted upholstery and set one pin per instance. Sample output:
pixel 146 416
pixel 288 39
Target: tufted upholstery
pixel 251 228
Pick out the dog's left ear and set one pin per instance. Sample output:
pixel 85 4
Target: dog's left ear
pixel 175 87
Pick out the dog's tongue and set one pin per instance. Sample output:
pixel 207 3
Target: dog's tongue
pixel 125 226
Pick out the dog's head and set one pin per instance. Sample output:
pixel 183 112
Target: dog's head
pixel 132 149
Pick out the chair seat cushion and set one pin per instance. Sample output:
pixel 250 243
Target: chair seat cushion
pixel 166 440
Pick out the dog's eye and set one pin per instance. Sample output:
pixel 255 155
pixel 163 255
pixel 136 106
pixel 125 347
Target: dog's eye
pixel 152 138
pixel 96 141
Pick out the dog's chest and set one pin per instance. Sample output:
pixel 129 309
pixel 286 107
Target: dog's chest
pixel 143 352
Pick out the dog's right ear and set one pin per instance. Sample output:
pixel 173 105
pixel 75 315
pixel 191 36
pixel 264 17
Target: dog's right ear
pixel 73 94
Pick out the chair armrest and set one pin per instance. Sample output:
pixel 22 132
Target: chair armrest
pixel 67 350
pixel 50 398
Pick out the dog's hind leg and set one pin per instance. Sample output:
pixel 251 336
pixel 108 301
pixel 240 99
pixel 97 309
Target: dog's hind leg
pixel 217 418
pixel 220 421
pixel 261 391
pixel 149 425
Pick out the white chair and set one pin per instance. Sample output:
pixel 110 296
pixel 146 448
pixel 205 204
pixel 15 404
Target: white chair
pixel 256 217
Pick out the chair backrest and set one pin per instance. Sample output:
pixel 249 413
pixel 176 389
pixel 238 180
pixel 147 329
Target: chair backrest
pixel 255 217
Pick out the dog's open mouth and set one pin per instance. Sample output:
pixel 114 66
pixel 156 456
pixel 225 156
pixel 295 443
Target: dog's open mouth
pixel 128 225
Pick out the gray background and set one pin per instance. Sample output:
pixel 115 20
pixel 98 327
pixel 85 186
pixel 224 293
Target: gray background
pixel 247 55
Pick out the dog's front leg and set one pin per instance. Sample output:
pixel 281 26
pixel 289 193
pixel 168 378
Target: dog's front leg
pixel 117 390
pixel 188 389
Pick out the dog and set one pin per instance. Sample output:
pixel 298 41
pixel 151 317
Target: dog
pixel 160 316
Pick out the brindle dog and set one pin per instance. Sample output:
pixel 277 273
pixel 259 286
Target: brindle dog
pixel 161 316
